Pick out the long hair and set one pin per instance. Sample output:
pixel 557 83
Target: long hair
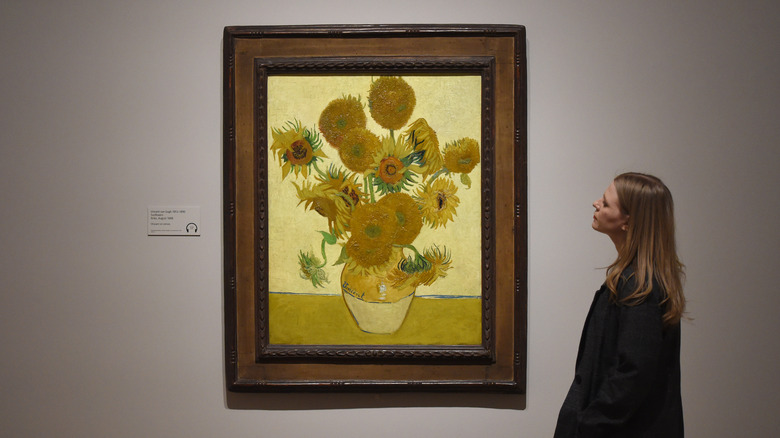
pixel 650 244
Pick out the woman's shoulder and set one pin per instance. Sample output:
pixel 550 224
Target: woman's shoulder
pixel 627 285
pixel 627 280
pixel 628 272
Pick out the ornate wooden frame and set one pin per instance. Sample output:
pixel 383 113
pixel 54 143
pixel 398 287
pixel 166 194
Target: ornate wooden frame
pixel 497 54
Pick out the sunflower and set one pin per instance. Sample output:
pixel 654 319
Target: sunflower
pixel 373 223
pixel 391 167
pixel 390 170
pixel 440 262
pixel 437 202
pixel 326 200
pixel 358 148
pixel 345 185
pixel 297 148
pixel 400 278
pixel 423 140
pixel 461 156
pixel 339 117
pixel 407 215
pixel 311 269
pixel 421 270
pixel 373 229
pixel 367 256
pixel 380 270
pixel 391 102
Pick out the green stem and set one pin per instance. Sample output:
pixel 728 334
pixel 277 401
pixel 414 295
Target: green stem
pixel 439 172
pixel 324 256
pixel 370 179
pixel 317 168
pixel 412 248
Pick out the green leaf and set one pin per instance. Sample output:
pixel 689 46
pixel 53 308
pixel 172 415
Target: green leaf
pixel 329 238
pixel 342 257
pixel 464 178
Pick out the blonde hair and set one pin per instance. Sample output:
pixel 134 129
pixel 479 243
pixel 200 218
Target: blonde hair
pixel 650 244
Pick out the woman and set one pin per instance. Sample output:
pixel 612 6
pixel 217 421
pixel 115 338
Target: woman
pixel 627 374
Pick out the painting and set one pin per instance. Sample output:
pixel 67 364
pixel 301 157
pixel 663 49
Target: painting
pixel 374 188
pixel 383 186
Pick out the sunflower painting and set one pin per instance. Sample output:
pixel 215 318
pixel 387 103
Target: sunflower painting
pixel 374 209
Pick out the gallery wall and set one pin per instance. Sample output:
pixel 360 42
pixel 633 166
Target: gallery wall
pixel 109 107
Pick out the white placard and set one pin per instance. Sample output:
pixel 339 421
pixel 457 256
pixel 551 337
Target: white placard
pixel 173 221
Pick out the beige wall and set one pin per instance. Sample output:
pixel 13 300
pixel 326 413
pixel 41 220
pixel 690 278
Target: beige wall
pixel 108 107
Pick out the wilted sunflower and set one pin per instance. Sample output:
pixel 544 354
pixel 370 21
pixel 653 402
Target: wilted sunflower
pixel 391 166
pixel 416 270
pixel 358 149
pixel 297 148
pixel 461 156
pixel 339 117
pixel 407 216
pixel 440 262
pixel 400 278
pixel 391 102
pixel 422 139
pixel 328 203
pixel 373 228
pixel 437 202
pixel 311 270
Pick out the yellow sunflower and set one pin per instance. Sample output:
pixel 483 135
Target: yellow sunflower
pixel 344 185
pixel 391 102
pixel 461 156
pixel 378 270
pixel 391 166
pixel 373 228
pixel 407 216
pixel 373 223
pixel 328 202
pixel 339 117
pixel 437 202
pixel 358 148
pixel 297 148
pixel 423 140
pixel 367 255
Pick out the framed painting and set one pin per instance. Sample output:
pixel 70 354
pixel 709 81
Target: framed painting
pixel 375 208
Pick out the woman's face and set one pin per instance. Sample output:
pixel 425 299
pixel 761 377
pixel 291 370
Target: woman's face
pixel 609 218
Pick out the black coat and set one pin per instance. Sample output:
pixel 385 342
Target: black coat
pixel 627 376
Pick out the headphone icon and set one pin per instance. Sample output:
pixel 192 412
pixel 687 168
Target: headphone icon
pixel 192 227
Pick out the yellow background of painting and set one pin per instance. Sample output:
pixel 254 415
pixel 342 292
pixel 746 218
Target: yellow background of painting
pixel 450 104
